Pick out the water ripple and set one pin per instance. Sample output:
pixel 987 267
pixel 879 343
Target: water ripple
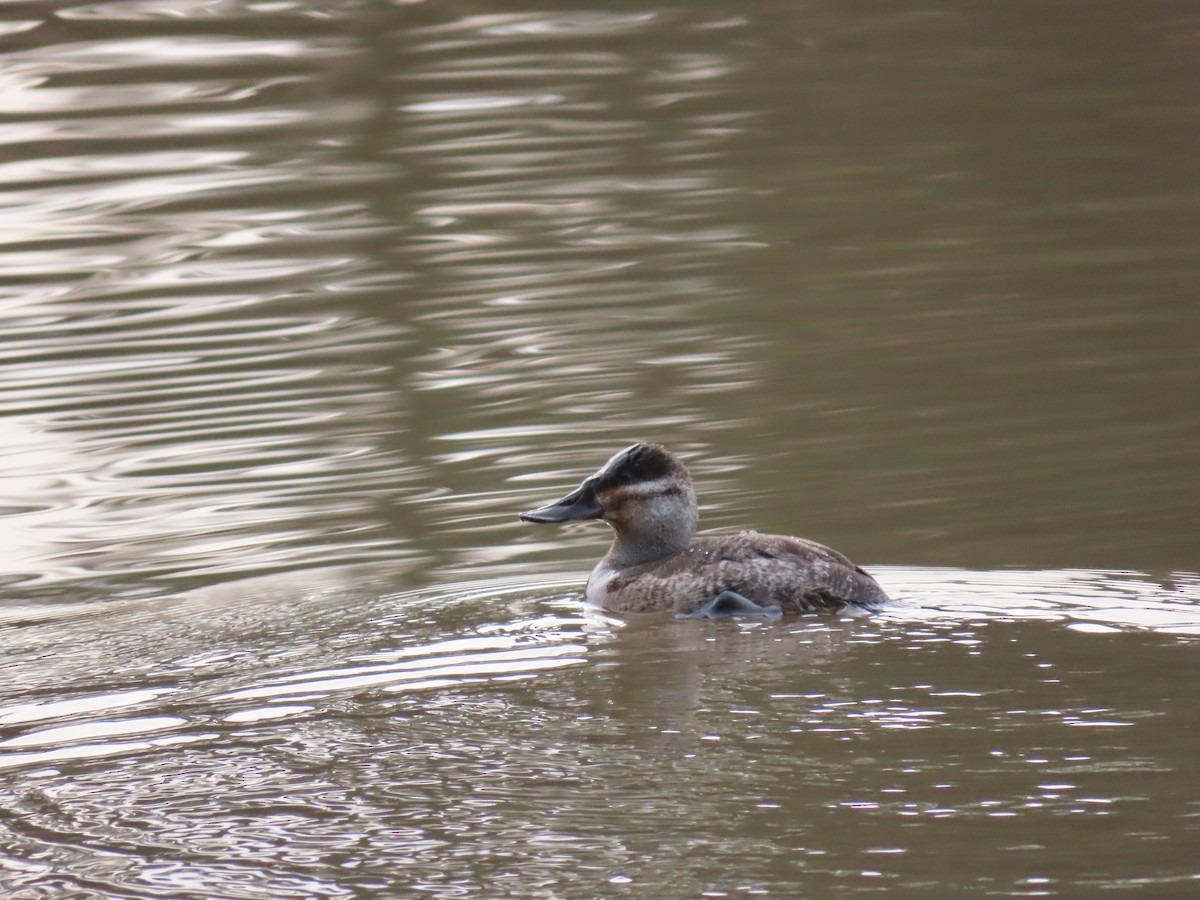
pixel 80 727
pixel 1088 600
pixel 305 300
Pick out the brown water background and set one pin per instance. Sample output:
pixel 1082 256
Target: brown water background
pixel 300 303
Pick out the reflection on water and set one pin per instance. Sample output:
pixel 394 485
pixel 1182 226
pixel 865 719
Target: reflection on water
pixel 440 742
pixel 303 301
pixel 932 606
pixel 246 351
pixel 1088 601
pixel 501 652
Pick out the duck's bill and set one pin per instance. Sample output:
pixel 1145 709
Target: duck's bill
pixel 573 507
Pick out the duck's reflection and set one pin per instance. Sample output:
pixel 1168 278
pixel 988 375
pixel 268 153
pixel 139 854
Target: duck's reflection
pixel 662 675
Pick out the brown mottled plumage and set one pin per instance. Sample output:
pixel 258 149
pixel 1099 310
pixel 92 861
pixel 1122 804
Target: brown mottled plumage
pixel 646 495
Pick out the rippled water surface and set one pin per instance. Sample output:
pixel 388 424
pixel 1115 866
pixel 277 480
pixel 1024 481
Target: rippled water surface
pixel 300 303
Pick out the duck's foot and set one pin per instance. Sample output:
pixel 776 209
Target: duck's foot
pixel 727 604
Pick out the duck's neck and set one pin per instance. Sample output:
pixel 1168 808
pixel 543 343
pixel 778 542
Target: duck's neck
pixel 652 536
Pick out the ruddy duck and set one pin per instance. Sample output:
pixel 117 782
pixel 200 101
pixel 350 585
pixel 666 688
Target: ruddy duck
pixel 646 495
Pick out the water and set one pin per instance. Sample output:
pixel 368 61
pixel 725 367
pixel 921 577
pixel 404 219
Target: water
pixel 301 303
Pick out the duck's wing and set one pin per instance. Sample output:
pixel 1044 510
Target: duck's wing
pixel 796 574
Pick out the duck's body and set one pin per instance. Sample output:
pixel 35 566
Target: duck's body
pixel 646 495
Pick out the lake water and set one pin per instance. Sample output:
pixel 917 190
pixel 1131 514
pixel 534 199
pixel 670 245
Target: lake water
pixel 300 303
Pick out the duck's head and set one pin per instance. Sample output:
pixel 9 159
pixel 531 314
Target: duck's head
pixel 643 492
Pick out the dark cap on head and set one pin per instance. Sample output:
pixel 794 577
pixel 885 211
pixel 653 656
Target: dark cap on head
pixel 637 462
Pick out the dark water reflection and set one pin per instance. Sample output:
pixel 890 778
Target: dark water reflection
pixel 300 302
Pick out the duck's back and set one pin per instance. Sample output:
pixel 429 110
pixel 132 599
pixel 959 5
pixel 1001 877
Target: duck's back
pixel 795 574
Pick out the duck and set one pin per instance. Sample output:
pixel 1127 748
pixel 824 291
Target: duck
pixel 646 494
